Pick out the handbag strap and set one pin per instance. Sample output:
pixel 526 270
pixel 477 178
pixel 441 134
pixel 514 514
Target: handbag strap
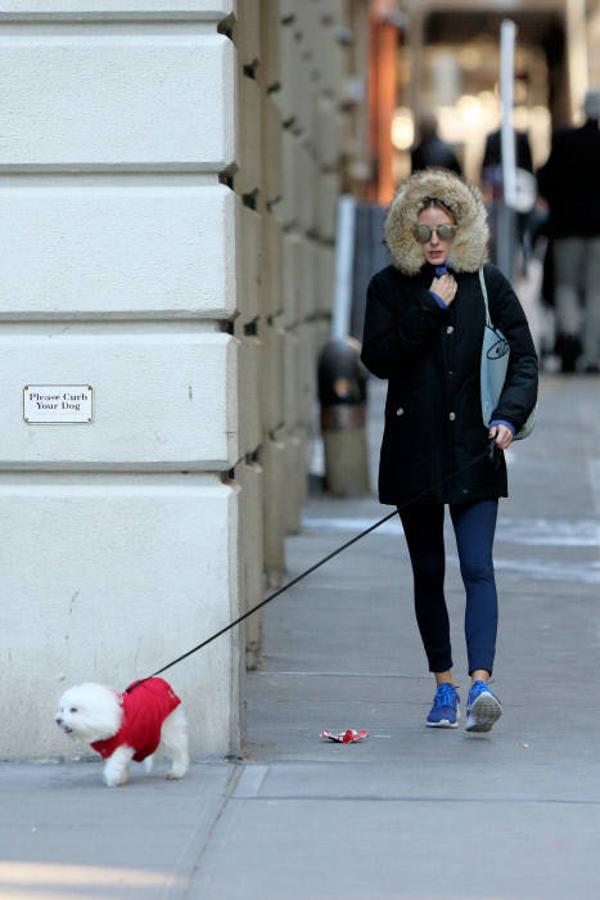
pixel 488 320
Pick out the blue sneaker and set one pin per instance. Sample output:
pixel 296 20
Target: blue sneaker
pixel 483 708
pixel 444 712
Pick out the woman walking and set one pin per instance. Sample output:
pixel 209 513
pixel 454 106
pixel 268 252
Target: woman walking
pixel 423 332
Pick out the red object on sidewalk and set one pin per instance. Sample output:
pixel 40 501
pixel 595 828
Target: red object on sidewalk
pixel 350 736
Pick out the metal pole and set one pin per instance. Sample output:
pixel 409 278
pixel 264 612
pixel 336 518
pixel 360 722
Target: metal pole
pixel 506 217
pixel 344 266
pixel 507 76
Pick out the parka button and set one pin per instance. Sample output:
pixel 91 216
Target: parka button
pixel 449 329
pixel 399 411
pixel 452 416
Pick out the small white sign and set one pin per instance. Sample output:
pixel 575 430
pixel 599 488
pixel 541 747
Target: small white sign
pixel 57 404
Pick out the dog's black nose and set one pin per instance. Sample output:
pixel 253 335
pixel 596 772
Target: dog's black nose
pixel 58 720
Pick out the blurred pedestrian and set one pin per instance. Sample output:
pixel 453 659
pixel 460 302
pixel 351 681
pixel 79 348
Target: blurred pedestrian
pixel 432 151
pixel 491 164
pixel 570 182
pixel 492 184
pixel 423 332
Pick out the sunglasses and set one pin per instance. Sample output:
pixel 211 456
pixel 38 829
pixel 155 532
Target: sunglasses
pixel 423 233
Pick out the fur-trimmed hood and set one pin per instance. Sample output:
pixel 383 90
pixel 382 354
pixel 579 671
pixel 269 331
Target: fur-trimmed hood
pixel 469 248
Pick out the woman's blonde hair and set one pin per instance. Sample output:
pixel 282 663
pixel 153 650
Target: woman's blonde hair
pixel 436 203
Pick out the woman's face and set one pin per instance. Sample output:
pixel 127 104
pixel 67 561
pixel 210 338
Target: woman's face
pixel 436 249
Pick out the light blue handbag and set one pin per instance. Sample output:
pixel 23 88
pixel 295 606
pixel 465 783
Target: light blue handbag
pixel 495 354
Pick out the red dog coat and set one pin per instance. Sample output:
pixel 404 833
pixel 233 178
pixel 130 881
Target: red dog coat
pixel 145 705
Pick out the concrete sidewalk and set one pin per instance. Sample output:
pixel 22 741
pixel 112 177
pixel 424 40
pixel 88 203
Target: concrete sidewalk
pixel 410 812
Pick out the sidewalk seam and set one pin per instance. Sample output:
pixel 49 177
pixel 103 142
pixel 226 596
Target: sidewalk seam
pixel 181 883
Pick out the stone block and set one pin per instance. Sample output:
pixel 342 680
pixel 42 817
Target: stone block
pixel 274 464
pixel 249 477
pixel 272 286
pixel 335 64
pixel 272 183
pixel 310 343
pixel 328 189
pixel 272 395
pixel 249 365
pixel 327 133
pixel 126 250
pixel 303 462
pixel 296 479
pixel 249 262
pixel 286 96
pixel 310 263
pixel 206 10
pixel 288 209
pixel 338 10
pixel 288 9
pixel 325 279
pixel 341 66
pixel 291 379
pixel 303 21
pixel 162 399
pixel 292 280
pixel 120 574
pixel 247 32
pixel 306 97
pixel 249 177
pixel 270 61
pixel 306 188
pixel 84 99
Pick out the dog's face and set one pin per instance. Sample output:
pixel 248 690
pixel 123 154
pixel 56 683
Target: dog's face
pixel 91 712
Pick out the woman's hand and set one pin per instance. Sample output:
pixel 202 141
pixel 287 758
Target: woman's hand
pixel 503 436
pixel 445 287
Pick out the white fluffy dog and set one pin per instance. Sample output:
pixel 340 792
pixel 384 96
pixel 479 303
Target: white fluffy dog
pixel 145 721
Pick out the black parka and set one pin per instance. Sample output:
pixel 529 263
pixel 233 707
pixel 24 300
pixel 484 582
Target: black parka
pixel 431 357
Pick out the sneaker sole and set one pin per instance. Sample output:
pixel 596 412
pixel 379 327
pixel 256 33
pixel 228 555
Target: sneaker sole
pixel 484 713
pixel 443 724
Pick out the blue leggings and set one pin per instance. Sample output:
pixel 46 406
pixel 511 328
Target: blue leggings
pixel 474 527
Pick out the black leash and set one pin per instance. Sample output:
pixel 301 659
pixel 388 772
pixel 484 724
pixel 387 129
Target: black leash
pixel 491 452
pixel 277 593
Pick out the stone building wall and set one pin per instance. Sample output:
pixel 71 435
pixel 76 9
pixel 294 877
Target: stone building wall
pixel 169 173
pixel 293 75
